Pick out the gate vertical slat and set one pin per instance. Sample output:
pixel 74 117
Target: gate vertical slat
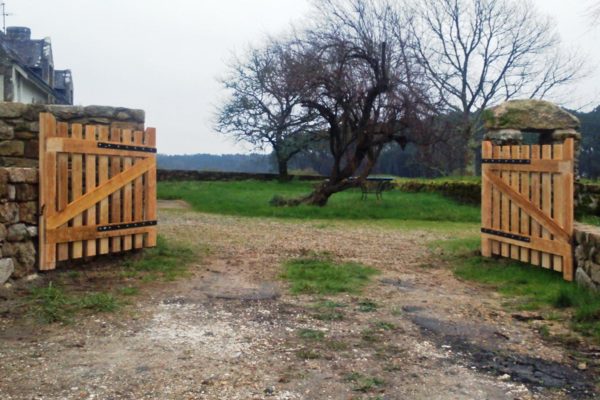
pixel 515 223
pixel 127 193
pixel 102 178
pixel 138 193
pixel 496 203
pixel 47 181
pixel 90 184
pixel 115 202
pixel 526 192
pixel 558 200
pixel 62 185
pixel 536 229
pixel 505 226
pixel 77 186
pixel 546 202
pixel 150 195
pixel 486 202
pixel 569 206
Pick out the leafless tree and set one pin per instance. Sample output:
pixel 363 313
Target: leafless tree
pixel 476 53
pixel 263 109
pixel 356 70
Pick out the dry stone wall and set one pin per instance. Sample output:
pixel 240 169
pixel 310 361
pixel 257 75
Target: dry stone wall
pixel 19 156
pixel 587 256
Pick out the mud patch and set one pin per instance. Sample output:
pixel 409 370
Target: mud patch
pixel 481 348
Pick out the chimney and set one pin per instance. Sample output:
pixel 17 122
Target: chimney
pixel 18 33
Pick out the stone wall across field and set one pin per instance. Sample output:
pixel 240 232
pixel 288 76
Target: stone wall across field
pixel 19 127
pixel 185 175
pixel 587 256
pixel 18 222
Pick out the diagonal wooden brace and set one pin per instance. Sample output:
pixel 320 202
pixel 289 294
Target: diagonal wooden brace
pixel 529 208
pixel 101 192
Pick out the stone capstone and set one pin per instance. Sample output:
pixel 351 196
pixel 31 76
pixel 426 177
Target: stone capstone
pixel 7 267
pixel 12 110
pixel 529 115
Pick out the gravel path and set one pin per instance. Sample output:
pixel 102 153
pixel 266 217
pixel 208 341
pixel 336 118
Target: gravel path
pixel 231 331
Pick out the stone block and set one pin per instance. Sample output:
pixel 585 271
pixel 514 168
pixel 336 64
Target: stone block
pixel 584 280
pixel 26 126
pixel 99 112
pixel 32 149
pixel 12 148
pixel 12 110
pixel 6 131
pixel 23 175
pixel 580 253
pixel 26 192
pixel 9 213
pixel 32 230
pixel 12 192
pixel 28 212
pixel 18 162
pixel 17 233
pixel 3 232
pixel 505 136
pixel 7 267
pixel 23 255
pixel 594 273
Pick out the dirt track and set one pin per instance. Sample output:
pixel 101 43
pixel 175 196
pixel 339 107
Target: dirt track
pixel 231 330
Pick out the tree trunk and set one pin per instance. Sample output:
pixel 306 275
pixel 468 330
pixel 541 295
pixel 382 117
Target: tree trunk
pixel 282 167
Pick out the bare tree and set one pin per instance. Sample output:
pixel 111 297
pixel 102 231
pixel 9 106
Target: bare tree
pixel 476 53
pixel 263 109
pixel 356 70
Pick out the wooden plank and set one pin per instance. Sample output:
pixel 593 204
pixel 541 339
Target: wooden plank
pixel 70 145
pixel 544 245
pixel 127 192
pixel 515 223
pixel 115 203
pixel 505 199
pixel 569 213
pixel 535 256
pixel 546 203
pixel 138 195
pixel 47 182
pixel 552 166
pixel 68 234
pixel 486 201
pixel 496 206
pixel 77 187
pixel 100 193
pixel 557 198
pixel 62 184
pixel 103 245
pixel 528 207
pixel 524 218
pixel 90 186
pixel 150 213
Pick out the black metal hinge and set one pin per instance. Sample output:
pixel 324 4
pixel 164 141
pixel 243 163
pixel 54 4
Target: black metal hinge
pixel 496 161
pixel 506 235
pixel 130 225
pixel 113 146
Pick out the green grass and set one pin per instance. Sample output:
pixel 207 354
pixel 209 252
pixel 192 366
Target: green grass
pixel 167 260
pixel 323 276
pixel 363 383
pixel 251 199
pixel 531 288
pixel 52 303
pixel 590 219
pixel 310 334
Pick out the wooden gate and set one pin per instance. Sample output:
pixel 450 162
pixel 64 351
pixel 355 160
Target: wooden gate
pixel 527 204
pixel 97 190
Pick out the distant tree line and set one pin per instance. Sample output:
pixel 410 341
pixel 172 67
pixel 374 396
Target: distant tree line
pixel 414 161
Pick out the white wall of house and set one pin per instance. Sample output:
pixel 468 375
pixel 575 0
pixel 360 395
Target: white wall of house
pixel 25 91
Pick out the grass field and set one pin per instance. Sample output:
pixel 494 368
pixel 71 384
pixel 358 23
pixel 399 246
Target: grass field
pixel 251 199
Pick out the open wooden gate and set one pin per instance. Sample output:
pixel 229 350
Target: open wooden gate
pixel 97 190
pixel 527 204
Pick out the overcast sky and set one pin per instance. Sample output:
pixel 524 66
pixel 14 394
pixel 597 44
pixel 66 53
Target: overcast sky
pixel 165 56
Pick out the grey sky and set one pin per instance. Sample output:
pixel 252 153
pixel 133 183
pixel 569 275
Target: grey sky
pixel 165 56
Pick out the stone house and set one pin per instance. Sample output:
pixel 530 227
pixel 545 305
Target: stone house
pixel 27 73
